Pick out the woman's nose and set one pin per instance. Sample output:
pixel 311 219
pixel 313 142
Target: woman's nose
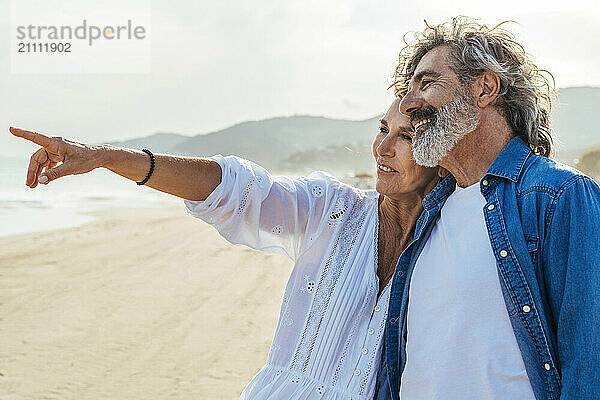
pixel 386 146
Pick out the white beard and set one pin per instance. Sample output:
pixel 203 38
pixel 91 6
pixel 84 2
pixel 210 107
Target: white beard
pixel 452 122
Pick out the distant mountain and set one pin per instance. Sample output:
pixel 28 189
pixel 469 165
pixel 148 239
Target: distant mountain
pixel 576 131
pixel 279 144
pixel 339 160
pixel 270 141
pixel 300 144
pixel 159 142
pixel 589 163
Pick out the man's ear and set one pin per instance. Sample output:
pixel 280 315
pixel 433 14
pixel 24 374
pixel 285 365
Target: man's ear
pixel 486 88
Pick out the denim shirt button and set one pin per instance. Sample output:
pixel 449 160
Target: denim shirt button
pixel 547 367
pixel 491 207
pixel 484 182
pixel 526 308
pixel 503 253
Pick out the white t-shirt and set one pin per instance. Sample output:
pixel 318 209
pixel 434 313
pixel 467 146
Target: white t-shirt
pixel 329 335
pixel 460 343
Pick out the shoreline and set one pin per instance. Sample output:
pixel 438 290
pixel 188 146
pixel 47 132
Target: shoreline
pixel 23 219
pixel 138 303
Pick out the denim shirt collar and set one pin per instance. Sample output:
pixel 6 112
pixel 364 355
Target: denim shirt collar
pixel 510 161
pixel 440 192
pixel 509 165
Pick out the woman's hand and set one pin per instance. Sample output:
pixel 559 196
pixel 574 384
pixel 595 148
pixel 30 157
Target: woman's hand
pixel 190 178
pixel 76 158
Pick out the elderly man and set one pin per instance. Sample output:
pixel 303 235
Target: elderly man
pixel 498 296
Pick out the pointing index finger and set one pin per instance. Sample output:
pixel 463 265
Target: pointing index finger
pixel 34 137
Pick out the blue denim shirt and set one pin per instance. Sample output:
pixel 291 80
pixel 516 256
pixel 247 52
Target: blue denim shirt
pixel 544 230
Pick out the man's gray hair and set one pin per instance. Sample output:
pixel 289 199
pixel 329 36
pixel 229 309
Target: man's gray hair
pixel 525 96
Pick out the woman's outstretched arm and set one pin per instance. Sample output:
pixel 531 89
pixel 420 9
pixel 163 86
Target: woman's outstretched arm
pixel 190 178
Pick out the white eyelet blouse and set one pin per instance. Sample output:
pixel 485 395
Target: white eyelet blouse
pixel 327 344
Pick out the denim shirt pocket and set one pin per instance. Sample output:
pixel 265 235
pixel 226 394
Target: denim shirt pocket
pixel 532 246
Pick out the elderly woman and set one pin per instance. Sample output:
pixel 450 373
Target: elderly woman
pixel 345 243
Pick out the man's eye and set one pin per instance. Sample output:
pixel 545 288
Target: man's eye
pixel 405 137
pixel 425 83
pixel 383 129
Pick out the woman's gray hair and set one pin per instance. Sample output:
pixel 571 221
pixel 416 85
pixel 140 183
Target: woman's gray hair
pixel 525 96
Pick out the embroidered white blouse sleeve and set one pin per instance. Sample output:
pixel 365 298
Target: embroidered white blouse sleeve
pixel 265 212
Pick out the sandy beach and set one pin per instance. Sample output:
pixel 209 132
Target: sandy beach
pixel 138 304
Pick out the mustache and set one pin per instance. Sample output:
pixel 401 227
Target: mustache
pixel 422 113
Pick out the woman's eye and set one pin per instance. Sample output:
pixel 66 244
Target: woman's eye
pixel 425 83
pixel 405 137
pixel 383 129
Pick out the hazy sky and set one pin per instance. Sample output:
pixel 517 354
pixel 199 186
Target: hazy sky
pixel 215 63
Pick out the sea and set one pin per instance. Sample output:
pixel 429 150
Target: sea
pixel 65 202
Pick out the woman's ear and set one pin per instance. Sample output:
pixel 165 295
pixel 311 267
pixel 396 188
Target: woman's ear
pixel 442 172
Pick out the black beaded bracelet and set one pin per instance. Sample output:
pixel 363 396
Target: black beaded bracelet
pixel 151 167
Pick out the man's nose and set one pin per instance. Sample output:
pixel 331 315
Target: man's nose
pixel 410 103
